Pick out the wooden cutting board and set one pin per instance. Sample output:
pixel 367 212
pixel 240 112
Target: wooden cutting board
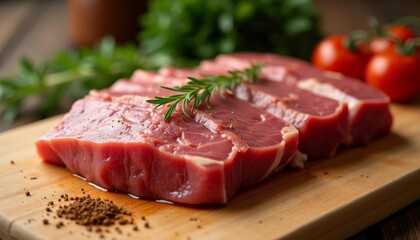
pixel 331 198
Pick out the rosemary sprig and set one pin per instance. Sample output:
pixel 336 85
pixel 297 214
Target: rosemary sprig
pixel 198 91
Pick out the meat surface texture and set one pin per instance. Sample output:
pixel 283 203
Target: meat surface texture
pixel 322 122
pixel 120 142
pixel 117 140
pixel 369 115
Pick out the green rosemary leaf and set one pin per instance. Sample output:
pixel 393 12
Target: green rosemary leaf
pixel 197 91
pixel 197 101
pixel 184 107
pixel 171 110
pixel 208 101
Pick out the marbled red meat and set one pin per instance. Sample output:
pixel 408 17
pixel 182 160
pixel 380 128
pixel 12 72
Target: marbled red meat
pixel 120 142
pixel 369 115
pixel 117 140
pixel 322 122
pixel 226 115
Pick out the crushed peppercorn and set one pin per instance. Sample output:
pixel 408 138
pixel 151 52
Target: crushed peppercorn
pixel 96 214
pixel 89 211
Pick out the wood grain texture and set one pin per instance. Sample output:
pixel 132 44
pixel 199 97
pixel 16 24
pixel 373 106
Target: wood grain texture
pixel 331 198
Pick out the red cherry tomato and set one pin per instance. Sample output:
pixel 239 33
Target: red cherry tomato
pixel 381 44
pixel 332 55
pixel 395 74
pixel 402 32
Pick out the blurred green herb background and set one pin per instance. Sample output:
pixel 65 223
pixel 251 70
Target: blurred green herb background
pixel 197 29
pixel 174 32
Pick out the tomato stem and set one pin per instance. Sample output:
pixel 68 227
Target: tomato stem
pixel 352 41
pixel 378 29
pixel 409 47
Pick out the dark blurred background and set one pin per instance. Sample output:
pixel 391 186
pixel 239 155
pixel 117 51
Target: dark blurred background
pixel 27 25
pixel 340 16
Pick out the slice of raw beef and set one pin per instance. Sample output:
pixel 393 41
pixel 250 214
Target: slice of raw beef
pixel 369 114
pixel 229 115
pixel 122 143
pixel 322 122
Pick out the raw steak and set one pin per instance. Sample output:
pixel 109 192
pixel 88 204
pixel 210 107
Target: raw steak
pixel 369 115
pixel 228 113
pixel 122 143
pixel 322 122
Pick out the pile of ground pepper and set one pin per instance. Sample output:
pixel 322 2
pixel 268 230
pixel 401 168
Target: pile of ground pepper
pixel 94 213
pixel 89 211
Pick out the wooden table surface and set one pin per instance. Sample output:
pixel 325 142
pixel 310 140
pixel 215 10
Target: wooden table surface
pixel 37 29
